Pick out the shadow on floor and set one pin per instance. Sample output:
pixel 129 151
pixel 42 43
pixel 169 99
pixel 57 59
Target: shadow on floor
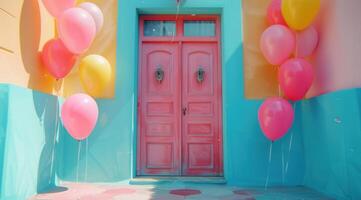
pixel 178 191
pixel 55 190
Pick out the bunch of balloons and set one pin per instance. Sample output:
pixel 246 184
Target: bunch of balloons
pixel 287 43
pixel 77 27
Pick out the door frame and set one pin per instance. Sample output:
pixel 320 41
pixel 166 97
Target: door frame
pixel 179 38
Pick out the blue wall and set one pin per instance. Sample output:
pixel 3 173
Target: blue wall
pixel 3 125
pixel 112 146
pixel 331 127
pixel 325 137
pixel 27 132
pixel 327 133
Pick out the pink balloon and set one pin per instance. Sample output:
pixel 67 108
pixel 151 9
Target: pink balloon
pixel 274 13
pixel 295 77
pixel 79 114
pixel 57 59
pixel 277 44
pixel 95 12
pixel 77 29
pixel 275 117
pixel 306 42
pixel 57 7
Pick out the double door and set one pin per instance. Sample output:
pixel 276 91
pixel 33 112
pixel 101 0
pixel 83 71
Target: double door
pixel 179 130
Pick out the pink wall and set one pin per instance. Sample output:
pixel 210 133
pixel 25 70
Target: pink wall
pixel 338 58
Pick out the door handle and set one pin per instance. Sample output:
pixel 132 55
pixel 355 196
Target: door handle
pixel 159 73
pixel 200 74
pixel 184 110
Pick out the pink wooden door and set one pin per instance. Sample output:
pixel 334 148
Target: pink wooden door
pixel 201 103
pixel 160 111
pixel 179 104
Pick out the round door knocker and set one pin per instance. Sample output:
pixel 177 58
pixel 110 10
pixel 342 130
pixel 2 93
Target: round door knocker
pixel 159 74
pixel 200 75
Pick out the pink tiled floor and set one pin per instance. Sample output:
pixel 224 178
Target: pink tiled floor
pixel 72 191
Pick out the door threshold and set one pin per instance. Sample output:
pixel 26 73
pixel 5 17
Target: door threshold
pixel 149 180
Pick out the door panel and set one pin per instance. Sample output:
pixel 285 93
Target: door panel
pixel 159 111
pixel 201 101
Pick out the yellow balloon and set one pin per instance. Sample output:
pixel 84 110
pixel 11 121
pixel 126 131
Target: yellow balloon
pixel 299 14
pixel 95 74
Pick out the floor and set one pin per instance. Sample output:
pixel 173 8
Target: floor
pixel 73 191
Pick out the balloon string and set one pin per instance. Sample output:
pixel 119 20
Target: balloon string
pixel 176 18
pixel 296 50
pixel 55 131
pixel 279 90
pixel 290 144
pixel 178 8
pixel 269 165
pixel 77 170
pixel 283 163
pixel 289 152
pixel 86 160
pixel 279 85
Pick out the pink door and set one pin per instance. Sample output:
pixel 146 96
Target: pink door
pixel 201 103
pixel 159 116
pixel 179 102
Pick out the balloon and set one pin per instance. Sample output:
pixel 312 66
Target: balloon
pixel 306 42
pixel 295 77
pixel 95 74
pixel 57 7
pixel 79 114
pixel 274 13
pixel 299 14
pixel 277 44
pixel 77 29
pixel 57 59
pixel 95 12
pixel 275 117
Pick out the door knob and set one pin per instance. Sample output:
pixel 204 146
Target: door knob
pixel 184 111
pixel 200 74
pixel 159 74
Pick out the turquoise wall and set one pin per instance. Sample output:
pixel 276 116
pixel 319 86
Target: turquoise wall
pixel 3 125
pixel 27 129
pixel 331 127
pixel 325 137
pixel 111 151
